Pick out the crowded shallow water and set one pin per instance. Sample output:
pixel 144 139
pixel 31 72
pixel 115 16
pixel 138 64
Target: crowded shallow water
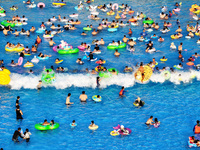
pixel 173 102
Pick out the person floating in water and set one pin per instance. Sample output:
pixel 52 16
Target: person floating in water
pixel 149 121
pixel 139 102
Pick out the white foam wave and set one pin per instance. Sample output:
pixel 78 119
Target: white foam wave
pixel 65 80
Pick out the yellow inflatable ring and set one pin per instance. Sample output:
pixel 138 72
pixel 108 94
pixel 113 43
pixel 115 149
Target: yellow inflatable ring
pixel 4 78
pixel 6 71
pixel 163 59
pixel 58 62
pixel 113 27
pixel 93 128
pixel 18 49
pixel 110 14
pixel 113 133
pixel 147 74
pixel 28 65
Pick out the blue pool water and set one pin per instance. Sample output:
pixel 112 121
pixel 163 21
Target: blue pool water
pixel 174 102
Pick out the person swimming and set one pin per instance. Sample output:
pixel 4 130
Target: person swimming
pixel 139 102
pixel 149 121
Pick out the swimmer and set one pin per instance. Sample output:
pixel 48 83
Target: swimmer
pixel 17 134
pixel 122 91
pixel 173 46
pixel 38 40
pixel 27 135
pixel 125 39
pixel 57 60
pixel 68 99
pixel 130 32
pixel 16 33
pixel 45 123
pixel 114 72
pixel 30 71
pixel 83 33
pixel 94 32
pixel 98 81
pixel 72 27
pixel 100 27
pixel 39 85
pixel 196 55
pixel 117 54
pixel 17 101
pixel 43 55
pixel 13 63
pixel 101 42
pixel 154 61
pixel 139 102
pixel 32 29
pixel 127 69
pixel 92 124
pixel 179 29
pixel 156 26
pixel 180 47
pixel 79 61
pixel 83 97
pixel 149 121
pixel 156 123
pixel 93 71
pixel 73 123
pixel 160 39
pixel 141 70
pixel 51 42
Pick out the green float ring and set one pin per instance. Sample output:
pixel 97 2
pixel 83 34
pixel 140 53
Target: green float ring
pixel 70 51
pixel 41 127
pixel 87 28
pixel 148 21
pixel 123 45
pixel 111 69
pixel 105 74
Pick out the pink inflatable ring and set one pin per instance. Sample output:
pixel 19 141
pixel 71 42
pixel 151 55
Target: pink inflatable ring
pixel 41 5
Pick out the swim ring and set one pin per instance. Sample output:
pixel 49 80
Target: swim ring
pixel 148 21
pixel 29 65
pixel 115 6
pixel 136 104
pixel 6 24
pixel 112 29
pixel 105 74
pixel 41 5
pixel 111 69
pixel 96 99
pixel 87 28
pixel 147 74
pixel 59 62
pixel 166 74
pixel 41 127
pixel 70 51
pixel 93 128
pixel 113 133
pixel 110 14
pixel 59 3
pixel 48 78
pixel 4 77
pixel 112 47
pixel 17 49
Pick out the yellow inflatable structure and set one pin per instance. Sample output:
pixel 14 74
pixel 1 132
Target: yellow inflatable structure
pixel 147 74
pixel 4 77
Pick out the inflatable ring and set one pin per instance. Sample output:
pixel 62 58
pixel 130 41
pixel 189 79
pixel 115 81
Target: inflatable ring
pixel 73 126
pixel 115 6
pixel 147 74
pixel 48 36
pixel 59 3
pixel 4 77
pixel 41 127
pixel 163 59
pixel 70 51
pixel 105 74
pixel 166 74
pixel 110 14
pixel 58 62
pixel 87 28
pixel 148 21
pixel 28 65
pixel 6 24
pixel 129 69
pixel 112 29
pixel 112 47
pixel 111 69
pixel 41 5
pixel 97 69
pixel 113 133
pixel 48 78
pixel 18 49
pixel 96 99
pixel 190 64
pixel 136 105
pixel 93 128
pixel 100 62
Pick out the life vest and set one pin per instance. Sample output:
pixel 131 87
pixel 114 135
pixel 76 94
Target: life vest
pixel 197 129
pixel 121 92
pixel 38 40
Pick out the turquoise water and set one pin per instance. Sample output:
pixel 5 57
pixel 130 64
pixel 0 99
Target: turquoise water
pixel 173 102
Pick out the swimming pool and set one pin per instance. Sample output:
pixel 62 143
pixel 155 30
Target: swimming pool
pixel 173 102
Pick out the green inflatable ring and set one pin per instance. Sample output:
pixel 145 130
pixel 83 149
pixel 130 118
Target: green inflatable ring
pixel 48 78
pixel 39 126
pixel 87 28
pixel 105 74
pixel 166 74
pixel 70 51
pixel 123 45
pixel 148 21
pixel 111 69
pixel 2 11
pixel 4 23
